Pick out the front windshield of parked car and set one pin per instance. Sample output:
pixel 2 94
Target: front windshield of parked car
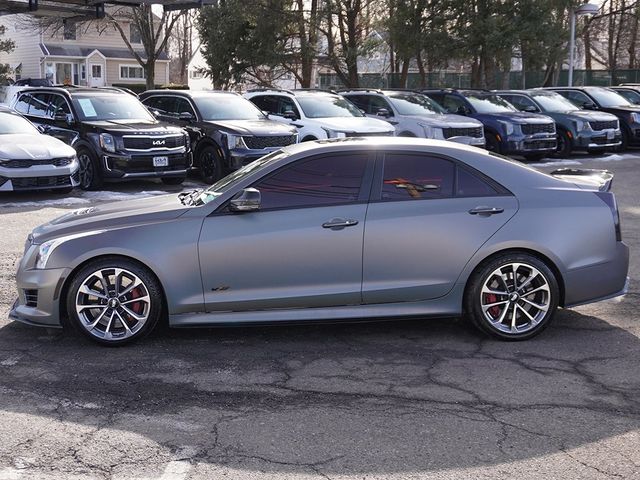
pixel 221 186
pixel 327 106
pixel 227 107
pixel 554 102
pixel 631 95
pixel 414 104
pixel 607 98
pixel 12 124
pixel 489 103
pixel 95 107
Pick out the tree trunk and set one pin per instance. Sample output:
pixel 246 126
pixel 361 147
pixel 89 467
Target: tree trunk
pixel 150 70
pixel 423 75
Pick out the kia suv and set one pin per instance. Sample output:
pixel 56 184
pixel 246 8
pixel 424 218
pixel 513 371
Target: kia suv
pixel 318 114
pixel 507 130
pixel 115 136
pixel 227 131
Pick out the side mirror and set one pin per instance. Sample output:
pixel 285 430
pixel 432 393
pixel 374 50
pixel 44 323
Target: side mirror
pixel 362 111
pixel 248 200
pixel 186 117
pixel 44 128
pixel 383 112
pixel 589 106
pixel 156 113
pixel 290 114
pixel 265 113
pixel 530 109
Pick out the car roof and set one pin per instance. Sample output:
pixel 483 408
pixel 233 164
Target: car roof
pixel 189 93
pixel 73 90
pixel 297 92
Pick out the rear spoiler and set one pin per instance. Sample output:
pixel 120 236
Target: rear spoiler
pixel 585 178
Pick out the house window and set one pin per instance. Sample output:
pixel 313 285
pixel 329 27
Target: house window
pixel 196 74
pixel 132 72
pixel 134 34
pixel 83 71
pixel 70 30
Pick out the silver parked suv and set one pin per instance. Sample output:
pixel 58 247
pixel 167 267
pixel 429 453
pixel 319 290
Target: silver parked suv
pixel 415 115
pixel 30 160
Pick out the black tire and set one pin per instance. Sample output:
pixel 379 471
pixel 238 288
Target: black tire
pixel 308 139
pixel 90 174
pixel 565 145
pixel 173 180
pixel 108 322
pixel 210 164
pixel 485 276
pixel 625 140
pixel 492 143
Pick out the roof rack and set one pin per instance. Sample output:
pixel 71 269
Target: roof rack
pixel 325 90
pixel 360 89
pixel 272 89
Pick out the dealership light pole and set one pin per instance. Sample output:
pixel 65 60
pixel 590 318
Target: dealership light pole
pixel 584 9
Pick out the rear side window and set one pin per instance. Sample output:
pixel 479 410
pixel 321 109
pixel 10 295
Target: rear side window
pixel 470 185
pixel 312 183
pixel 417 177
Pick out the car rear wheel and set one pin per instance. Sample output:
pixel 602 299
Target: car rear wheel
pixel 210 165
pixel 173 180
pixel 90 178
pixel 114 301
pixel 512 297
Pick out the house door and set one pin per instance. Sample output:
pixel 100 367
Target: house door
pixel 97 75
pixel 64 75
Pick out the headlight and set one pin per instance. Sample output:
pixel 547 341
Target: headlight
pixel 508 127
pixel 635 117
pixel 107 143
pixel 334 133
pixel 581 125
pixel 187 141
pixel 235 141
pixel 47 248
pixel 4 162
pixel 432 132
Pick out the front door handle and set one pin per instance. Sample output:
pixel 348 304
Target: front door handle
pixel 482 211
pixel 339 223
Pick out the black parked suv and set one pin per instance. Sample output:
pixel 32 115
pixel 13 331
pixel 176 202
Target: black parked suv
pixel 227 131
pixel 115 136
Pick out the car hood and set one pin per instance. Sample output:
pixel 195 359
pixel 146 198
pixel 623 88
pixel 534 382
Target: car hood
pixel 446 121
pixel 623 109
pixel 112 215
pixel 588 116
pixel 33 147
pixel 356 124
pixel 254 127
pixel 124 126
pixel 519 118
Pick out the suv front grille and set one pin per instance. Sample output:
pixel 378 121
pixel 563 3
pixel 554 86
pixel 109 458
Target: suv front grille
pixel 475 132
pixel 31 298
pixel 40 182
pixel 142 142
pixel 258 143
pixel 57 162
pixel 540 144
pixel 606 125
pixel 533 128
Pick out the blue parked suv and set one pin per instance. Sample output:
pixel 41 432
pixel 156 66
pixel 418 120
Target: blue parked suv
pixel 507 130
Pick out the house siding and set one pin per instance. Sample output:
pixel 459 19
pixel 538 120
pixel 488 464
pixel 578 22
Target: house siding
pixel 27 51
pixel 113 72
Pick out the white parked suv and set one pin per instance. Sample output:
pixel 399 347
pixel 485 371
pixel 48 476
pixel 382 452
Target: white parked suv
pixel 318 114
pixel 415 115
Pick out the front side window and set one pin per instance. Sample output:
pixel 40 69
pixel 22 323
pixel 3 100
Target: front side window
pixel 417 177
pixel 318 182
pixel 163 105
pixel 58 106
pixel 454 104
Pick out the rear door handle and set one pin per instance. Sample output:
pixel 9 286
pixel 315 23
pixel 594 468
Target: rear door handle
pixel 339 223
pixel 486 211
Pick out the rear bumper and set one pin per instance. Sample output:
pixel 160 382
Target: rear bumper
pixel 598 282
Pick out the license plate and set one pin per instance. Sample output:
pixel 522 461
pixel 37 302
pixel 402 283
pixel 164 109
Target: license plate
pixel 611 135
pixel 160 161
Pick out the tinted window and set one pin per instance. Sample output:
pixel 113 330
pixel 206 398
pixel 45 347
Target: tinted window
pixel 360 101
pixel 182 105
pixel 312 183
pixel 161 104
pixel 469 185
pixel 275 104
pixel 376 104
pixel 38 104
pixel 417 177
pixel 58 106
pixel 454 104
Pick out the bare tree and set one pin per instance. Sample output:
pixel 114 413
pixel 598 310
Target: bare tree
pixel 181 46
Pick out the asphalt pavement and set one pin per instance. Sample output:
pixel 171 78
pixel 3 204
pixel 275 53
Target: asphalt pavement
pixel 430 399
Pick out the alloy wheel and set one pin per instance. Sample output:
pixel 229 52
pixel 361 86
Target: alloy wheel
pixel 113 304
pixel 86 171
pixel 515 298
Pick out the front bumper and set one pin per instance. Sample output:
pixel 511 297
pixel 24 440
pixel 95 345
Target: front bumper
pixel 598 139
pixel 39 299
pixel 531 144
pixel 122 165
pixel 473 141
pixel 43 177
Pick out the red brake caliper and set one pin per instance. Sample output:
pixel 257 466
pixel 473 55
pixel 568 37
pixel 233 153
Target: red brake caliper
pixel 492 298
pixel 137 306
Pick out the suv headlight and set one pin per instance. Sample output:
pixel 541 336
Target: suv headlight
pixel 432 132
pixel 47 248
pixel 107 142
pixel 581 125
pixel 334 133
pixel 635 117
pixel 4 162
pixel 235 141
pixel 508 127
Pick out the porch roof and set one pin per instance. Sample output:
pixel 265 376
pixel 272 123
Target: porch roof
pixel 49 50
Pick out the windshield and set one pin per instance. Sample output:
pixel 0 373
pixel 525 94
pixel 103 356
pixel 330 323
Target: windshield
pixel 221 186
pixel 489 103
pixel 630 95
pixel 607 98
pixel 227 107
pixel 123 106
pixel 326 106
pixel 554 102
pixel 11 124
pixel 414 104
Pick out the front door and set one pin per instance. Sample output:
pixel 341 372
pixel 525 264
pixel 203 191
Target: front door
pixel 426 225
pixel 96 72
pixel 302 249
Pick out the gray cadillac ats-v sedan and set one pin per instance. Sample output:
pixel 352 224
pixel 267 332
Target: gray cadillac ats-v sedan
pixel 338 229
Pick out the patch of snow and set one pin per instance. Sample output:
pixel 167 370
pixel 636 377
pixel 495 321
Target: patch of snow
pixel 85 198
pixel 556 163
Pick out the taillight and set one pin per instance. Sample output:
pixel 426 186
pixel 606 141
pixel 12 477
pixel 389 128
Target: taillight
pixel 610 199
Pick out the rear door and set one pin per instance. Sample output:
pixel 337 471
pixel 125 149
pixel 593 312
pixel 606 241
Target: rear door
pixel 427 218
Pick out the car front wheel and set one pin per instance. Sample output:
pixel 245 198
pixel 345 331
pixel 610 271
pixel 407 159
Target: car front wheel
pixel 90 178
pixel 114 301
pixel 512 297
